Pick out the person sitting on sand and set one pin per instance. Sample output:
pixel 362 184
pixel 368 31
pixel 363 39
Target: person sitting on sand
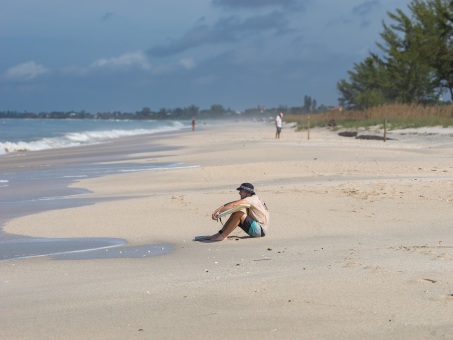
pixel 254 220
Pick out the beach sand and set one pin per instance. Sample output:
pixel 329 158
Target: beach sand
pixel 360 244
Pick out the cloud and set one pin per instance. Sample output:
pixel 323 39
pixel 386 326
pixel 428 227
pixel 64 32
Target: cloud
pixel 26 71
pixel 364 11
pixel 187 63
pixel 273 21
pixel 226 30
pixel 128 61
pixel 196 36
pixel 107 16
pixel 253 4
pixel 366 8
pixel 131 59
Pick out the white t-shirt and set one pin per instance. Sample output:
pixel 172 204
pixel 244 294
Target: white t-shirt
pixel 278 121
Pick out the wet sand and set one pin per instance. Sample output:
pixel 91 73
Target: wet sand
pixel 34 182
pixel 359 245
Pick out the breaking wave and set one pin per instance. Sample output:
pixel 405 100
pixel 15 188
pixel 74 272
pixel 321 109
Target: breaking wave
pixel 72 139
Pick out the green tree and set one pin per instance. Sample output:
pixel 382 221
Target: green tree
pixel 307 103
pixel 368 85
pixel 192 111
pixel 216 110
pixel 145 113
pixel 314 105
pixel 434 32
pixel 162 113
pixel 410 79
pixel 416 63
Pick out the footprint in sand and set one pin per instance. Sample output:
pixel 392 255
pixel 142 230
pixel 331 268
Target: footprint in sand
pixel 444 298
pixel 351 259
pixel 446 257
pixel 448 297
pixel 433 251
pixel 181 199
pixel 375 269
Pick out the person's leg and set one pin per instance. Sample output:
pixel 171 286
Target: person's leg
pixel 229 226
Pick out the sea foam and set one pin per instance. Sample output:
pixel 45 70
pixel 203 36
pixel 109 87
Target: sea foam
pixel 72 139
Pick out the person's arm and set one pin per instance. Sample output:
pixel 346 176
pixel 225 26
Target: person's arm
pixel 227 206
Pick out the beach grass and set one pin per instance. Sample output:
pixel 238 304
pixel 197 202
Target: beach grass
pixel 397 116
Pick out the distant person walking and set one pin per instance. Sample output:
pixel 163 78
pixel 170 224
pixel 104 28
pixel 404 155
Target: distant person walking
pixel 278 125
pixel 193 124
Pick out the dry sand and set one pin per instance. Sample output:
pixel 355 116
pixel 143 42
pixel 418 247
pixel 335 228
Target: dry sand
pixel 360 245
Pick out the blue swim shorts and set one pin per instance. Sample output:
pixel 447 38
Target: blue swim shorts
pixel 251 227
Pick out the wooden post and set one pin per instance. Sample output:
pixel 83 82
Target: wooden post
pixel 308 127
pixel 385 129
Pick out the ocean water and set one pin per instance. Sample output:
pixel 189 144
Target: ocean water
pixel 23 135
pixel 34 180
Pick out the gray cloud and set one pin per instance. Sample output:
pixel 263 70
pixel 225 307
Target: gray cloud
pixel 227 29
pixel 365 10
pixel 25 71
pixel 254 3
pixel 107 16
pixel 196 36
pixel 362 13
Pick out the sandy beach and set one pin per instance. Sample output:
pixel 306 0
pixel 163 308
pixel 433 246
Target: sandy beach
pixel 360 243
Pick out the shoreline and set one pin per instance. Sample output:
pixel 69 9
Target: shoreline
pixel 359 244
pixel 58 176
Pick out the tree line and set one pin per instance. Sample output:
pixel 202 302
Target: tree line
pixel 415 64
pixel 216 111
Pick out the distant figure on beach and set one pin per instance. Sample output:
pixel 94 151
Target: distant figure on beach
pixel 193 124
pixel 254 220
pixel 278 125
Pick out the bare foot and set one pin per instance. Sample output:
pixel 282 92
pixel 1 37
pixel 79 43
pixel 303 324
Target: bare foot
pixel 213 238
pixel 202 238
pixel 216 238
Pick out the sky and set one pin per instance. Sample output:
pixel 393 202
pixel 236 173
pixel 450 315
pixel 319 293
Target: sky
pixel 124 55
